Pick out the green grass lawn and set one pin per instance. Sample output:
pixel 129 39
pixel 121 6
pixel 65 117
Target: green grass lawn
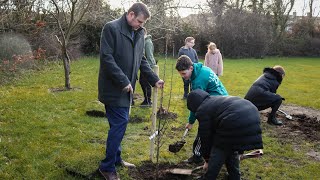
pixel 43 134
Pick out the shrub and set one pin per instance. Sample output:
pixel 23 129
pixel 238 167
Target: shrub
pixel 9 69
pixel 243 34
pixel 12 44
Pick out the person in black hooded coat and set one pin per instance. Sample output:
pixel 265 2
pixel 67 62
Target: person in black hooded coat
pixel 263 92
pixel 228 126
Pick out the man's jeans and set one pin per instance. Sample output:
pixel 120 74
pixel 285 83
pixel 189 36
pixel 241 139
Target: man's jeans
pixel 118 120
pixel 218 157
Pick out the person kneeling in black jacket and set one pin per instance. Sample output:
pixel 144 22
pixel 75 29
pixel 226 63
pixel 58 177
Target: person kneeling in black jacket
pixel 228 126
pixel 263 92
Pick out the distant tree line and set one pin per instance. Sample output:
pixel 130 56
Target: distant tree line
pixel 240 28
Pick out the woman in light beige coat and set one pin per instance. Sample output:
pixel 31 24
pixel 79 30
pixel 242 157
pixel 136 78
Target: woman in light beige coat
pixel 213 59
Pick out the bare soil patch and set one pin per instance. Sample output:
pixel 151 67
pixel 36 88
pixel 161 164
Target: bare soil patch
pixel 136 119
pixel 304 127
pixel 96 113
pixel 63 89
pixel 148 171
pixel 164 114
pixel 305 123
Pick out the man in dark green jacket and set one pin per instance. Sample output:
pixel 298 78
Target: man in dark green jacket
pixel 203 78
pixel 121 56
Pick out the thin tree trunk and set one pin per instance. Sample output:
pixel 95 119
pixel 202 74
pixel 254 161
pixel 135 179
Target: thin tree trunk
pixel 66 61
pixel 66 65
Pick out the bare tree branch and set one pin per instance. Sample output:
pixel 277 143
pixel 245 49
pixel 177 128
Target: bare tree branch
pixel 82 14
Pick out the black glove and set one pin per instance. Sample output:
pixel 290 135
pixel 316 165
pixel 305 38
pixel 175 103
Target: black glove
pixel 283 98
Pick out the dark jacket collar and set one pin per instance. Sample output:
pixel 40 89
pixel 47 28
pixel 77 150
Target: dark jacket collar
pixel 126 29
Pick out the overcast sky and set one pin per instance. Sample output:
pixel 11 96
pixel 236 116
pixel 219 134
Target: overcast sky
pixel 300 6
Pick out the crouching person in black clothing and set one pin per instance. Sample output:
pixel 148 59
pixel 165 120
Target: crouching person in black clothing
pixel 263 92
pixel 228 126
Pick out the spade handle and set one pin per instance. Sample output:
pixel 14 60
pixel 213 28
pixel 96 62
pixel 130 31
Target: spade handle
pixel 185 133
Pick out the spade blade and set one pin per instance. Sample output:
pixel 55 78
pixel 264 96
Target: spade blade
pixel 176 147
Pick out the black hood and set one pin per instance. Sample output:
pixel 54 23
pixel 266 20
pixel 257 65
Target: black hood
pixel 274 73
pixel 195 98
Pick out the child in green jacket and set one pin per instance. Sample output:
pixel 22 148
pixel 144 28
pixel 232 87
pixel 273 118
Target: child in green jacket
pixel 203 78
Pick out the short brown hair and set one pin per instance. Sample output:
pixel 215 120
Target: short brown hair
pixel 188 39
pixel 183 63
pixel 140 8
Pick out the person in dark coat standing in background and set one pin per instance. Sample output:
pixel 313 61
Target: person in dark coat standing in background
pixel 192 54
pixel 263 92
pixel 228 126
pixel 121 56
pixel 145 86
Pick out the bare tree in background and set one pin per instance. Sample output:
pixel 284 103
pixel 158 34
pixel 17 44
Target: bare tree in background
pixel 310 18
pixel 68 15
pixel 17 16
pixel 217 7
pixel 314 6
pixel 239 4
pixel 100 13
pixel 280 11
pixel 164 22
